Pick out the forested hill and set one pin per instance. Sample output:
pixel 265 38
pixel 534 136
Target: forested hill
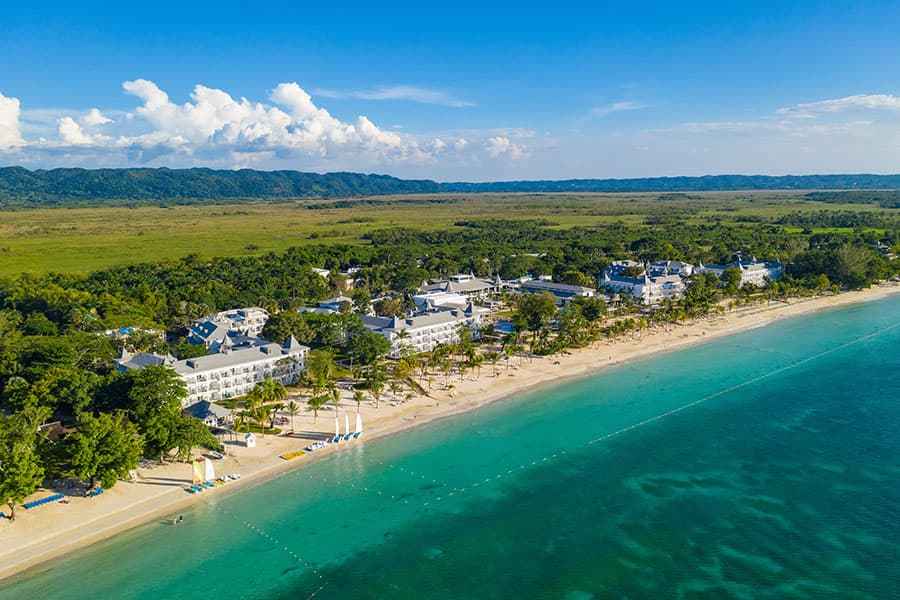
pixel 59 187
pixel 67 186
pixel 706 183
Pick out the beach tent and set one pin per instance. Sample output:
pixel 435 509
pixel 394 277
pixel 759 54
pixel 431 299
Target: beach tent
pixel 250 440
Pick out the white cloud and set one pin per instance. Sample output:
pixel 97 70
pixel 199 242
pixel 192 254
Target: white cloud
pixel 94 118
pixel 10 133
pixel 213 128
pixel 622 106
pixel 410 93
pixel 500 146
pixel 71 133
pixel 835 105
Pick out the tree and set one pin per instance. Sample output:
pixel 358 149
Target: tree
pixel 104 447
pixel 534 312
pixel 592 307
pixel 68 388
pixel 155 398
pixel 320 368
pixel 292 409
pixel 366 347
pixel 280 327
pixel 189 433
pixel 316 402
pixel 21 471
pixel 358 397
pixel 731 280
pixel 375 379
pixel 362 300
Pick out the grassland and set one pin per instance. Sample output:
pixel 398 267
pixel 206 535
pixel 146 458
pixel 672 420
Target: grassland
pixel 79 240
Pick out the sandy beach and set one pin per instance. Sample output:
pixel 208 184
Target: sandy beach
pixel 47 532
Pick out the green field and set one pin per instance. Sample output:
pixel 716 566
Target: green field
pixel 80 240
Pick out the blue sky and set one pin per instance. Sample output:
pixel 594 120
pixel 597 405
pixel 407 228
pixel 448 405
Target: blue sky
pixel 461 91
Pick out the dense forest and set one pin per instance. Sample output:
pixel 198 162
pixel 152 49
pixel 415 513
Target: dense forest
pixel 79 186
pixel 65 187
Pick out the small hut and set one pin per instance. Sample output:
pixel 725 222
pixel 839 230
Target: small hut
pixel 250 440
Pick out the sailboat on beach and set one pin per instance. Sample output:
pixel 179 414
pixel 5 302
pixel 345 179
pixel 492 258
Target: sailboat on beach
pixel 347 435
pixel 358 433
pixel 337 431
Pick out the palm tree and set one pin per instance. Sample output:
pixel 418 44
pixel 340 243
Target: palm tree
pixel 273 412
pixel 334 394
pixel 315 403
pixel 271 390
pixel 358 397
pixel 492 358
pixel 376 386
pixel 292 409
pixel 402 337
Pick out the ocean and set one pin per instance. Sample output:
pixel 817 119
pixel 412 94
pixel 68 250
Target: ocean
pixel 761 465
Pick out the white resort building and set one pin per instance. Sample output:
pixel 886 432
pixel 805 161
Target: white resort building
pixel 240 322
pixel 661 281
pixel 753 272
pixel 424 331
pixel 229 372
pixel 465 285
pixel 562 291
pixel 438 300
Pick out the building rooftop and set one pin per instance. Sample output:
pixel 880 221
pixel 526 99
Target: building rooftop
pixel 540 284
pixel 236 357
pixel 460 285
pixel 203 409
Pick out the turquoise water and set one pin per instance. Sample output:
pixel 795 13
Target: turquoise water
pixel 764 465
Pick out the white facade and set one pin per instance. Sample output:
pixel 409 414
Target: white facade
pixel 423 332
pixel 664 280
pixel 239 322
pixel 465 285
pixel 229 373
pixel 754 272
pixel 245 321
pixel 438 300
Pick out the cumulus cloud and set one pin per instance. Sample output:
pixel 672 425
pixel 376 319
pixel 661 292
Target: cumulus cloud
pixel 71 133
pixel 214 118
pixel 10 133
pixel 502 146
pixel 213 128
pixel 95 118
pixel 835 105
pixel 410 93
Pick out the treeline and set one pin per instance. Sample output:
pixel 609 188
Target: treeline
pixel 706 183
pixel 832 218
pixel 883 198
pixel 64 187
pixel 59 187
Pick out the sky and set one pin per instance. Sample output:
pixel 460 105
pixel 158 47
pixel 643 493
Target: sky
pixel 455 91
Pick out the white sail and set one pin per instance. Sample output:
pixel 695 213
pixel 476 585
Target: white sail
pixel 358 423
pixel 209 474
pixel 346 424
pixel 337 427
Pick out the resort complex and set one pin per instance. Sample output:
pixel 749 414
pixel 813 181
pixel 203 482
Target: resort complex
pixel 230 371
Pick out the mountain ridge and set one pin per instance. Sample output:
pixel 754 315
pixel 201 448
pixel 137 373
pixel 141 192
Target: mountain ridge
pixel 67 186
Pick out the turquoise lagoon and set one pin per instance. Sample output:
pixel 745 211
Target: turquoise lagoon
pixel 762 465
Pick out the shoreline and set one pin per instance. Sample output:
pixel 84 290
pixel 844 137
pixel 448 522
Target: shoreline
pixel 55 530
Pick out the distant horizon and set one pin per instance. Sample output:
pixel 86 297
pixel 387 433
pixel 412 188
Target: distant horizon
pixel 465 181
